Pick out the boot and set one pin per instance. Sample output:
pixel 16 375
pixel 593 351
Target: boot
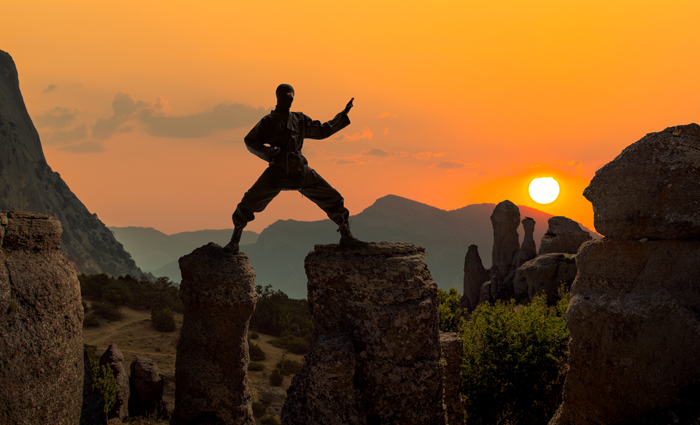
pixel 235 239
pixel 347 239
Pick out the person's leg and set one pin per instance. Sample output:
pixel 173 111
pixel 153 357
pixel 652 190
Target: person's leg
pixel 254 201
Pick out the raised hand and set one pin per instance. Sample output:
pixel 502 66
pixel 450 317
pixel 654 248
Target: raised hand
pixel 349 106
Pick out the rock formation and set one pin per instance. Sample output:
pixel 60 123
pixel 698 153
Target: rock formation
pixel 475 275
pixel 28 183
pixel 505 220
pixel 374 310
pixel 546 273
pixel 633 314
pixel 527 251
pixel 211 378
pixel 113 358
pixel 146 392
pixel 650 190
pixel 451 347
pixel 41 336
pixel 564 235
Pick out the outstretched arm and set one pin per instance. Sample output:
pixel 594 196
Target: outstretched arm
pixel 317 130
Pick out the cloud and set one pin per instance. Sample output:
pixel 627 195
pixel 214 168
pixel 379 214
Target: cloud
pixel 448 164
pixel 346 162
pixel 377 152
pixel 50 88
pixel 58 117
pixel 366 133
pixel 423 156
pixel 64 137
pixel 85 147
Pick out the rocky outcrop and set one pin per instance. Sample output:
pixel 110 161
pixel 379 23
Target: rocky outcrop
pixel 564 235
pixel 28 183
pixel 527 251
pixel 633 314
pixel 379 305
pixel 475 275
pixel 505 220
pixel 41 337
pixel 451 348
pixel 546 273
pixel 113 358
pixel 146 392
pixel 650 190
pixel 211 378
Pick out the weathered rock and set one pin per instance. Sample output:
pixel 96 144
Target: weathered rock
pixel 383 298
pixel 322 392
pixel 505 220
pixel 91 412
pixel 634 326
pixel 41 337
pixel 146 392
pixel 211 378
pixel 113 358
pixel 527 251
pixel 474 277
pixel 546 273
pixel 564 235
pixel 651 189
pixel 451 347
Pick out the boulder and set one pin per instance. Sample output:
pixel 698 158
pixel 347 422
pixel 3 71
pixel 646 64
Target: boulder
pixel 113 358
pixel 41 333
pixel 651 189
pixel 634 324
pixel 146 395
pixel 564 235
pixel 384 300
pixel 505 220
pixel 451 348
pixel 546 273
pixel 211 367
pixel 474 277
pixel 527 251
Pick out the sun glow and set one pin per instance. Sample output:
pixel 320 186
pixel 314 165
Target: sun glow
pixel 544 190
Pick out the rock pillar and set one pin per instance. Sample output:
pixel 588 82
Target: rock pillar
pixel 114 358
pixel 379 305
pixel 211 377
pixel 451 348
pixel 475 275
pixel 41 315
pixel 505 220
pixel 527 251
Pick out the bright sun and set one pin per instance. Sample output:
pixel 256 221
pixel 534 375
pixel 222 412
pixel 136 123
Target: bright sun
pixel 544 190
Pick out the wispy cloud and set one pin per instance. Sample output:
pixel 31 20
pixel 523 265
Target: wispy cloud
pixel 57 117
pixel 85 147
pixel 366 133
pixel 50 88
pixel 65 137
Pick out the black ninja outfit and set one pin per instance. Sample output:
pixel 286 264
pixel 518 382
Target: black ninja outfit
pixel 278 139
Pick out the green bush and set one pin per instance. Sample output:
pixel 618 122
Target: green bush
pixel 107 311
pixel 255 366
pixel 256 353
pixel 254 335
pixel 292 344
pixel 91 321
pixel 269 420
pixel 514 361
pixel 450 315
pixel 288 366
pixel 276 378
pixel 104 384
pixel 162 320
pixel 259 409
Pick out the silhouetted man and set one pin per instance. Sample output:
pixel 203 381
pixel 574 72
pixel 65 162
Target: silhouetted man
pixel 278 139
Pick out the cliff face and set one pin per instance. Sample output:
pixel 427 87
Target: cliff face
pixel 27 183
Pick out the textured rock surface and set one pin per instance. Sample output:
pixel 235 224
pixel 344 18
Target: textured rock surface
pixel 91 412
pixel 505 220
pixel 146 392
pixel 475 275
pixel 651 189
pixel 114 358
pixel 545 274
pixel 564 235
pixel 451 348
pixel 28 183
pixel 218 292
pixel 527 251
pixel 635 332
pixel 41 337
pixel 383 298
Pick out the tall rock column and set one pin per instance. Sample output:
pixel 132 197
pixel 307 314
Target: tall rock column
pixel 374 311
pixel 475 275
pixel 527 251
pixel 505 220
pixel 211 368
pixel 41 329
pixel 633 314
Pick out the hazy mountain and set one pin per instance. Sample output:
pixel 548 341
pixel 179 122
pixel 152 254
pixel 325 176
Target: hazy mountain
pixel 27 183
pixel 158 253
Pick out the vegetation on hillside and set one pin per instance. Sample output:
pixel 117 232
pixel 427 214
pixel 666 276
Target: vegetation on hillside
pixel 286 318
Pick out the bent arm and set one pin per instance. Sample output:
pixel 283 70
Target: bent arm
pixel 255 142
pixel 317 130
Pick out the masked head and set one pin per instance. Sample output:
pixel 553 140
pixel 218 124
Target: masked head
pixel 285 96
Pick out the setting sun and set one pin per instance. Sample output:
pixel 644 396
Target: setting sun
pixel 544 190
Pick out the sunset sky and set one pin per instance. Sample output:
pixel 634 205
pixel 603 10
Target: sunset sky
pixel 142 106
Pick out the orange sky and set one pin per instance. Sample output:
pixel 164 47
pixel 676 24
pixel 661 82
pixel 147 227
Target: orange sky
pixel 456 103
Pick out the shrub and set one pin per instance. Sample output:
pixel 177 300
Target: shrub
pixel 162 320
pixel 259 409
pixel 91 321
pixel 269 420
pixel 256 366
pixel 514 361
pixel 107 311
pixel 256 353
pixel 104 384
pixel 254 335
pixel 288 366
pixel 276 378
pixel 111 296
pixel 450 315
pixel 292 344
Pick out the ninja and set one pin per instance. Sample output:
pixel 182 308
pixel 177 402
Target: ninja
pixel 278 139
